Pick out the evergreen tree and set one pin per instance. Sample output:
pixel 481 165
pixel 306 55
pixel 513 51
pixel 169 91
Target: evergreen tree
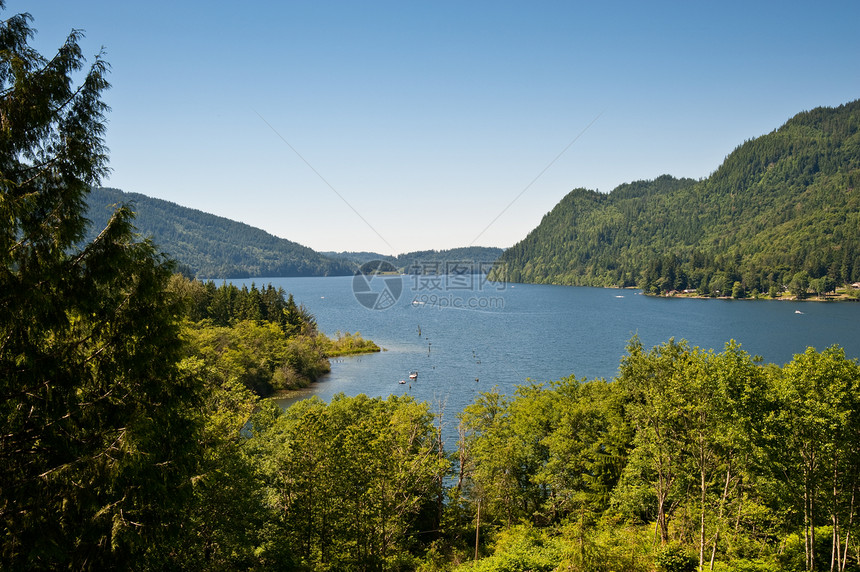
pixel 96 447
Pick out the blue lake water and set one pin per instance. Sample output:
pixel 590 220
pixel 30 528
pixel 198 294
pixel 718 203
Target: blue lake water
pixel 476 335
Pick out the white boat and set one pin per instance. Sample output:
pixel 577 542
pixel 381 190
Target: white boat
pixel 413 375
pixel 402 382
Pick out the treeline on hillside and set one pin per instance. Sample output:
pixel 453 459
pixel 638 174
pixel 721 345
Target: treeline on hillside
pixel 470 259
pixel 210 246
pixel 780 207
pixel 259 338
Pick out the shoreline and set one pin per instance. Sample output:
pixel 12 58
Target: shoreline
pixel 295 392
pixel 831 298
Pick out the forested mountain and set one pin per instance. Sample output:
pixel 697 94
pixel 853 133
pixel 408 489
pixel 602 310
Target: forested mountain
pixel 782 211
pixel 477 258
pixel 210 246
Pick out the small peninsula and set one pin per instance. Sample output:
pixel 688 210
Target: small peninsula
pixel 258 338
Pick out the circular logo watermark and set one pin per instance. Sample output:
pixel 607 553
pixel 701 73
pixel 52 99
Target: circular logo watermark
pixel 377 285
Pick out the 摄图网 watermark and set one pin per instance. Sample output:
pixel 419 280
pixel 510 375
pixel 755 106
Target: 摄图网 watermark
pixel 467 285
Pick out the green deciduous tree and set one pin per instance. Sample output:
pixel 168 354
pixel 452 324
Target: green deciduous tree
pixel 587 450
pixel 799 284
pixel 352 484
pixel 652 381
pixel 694 413
pixel 548 455
pixel 259 357
pixel 222 524
pixel 505 452
pixel 738 290
pixel 813 447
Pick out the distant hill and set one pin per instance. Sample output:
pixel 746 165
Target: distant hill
pixel 209 246
pixel 478 259
pixel 358 258
pixel 782 208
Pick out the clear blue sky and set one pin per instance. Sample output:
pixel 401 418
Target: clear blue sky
pixel 430 118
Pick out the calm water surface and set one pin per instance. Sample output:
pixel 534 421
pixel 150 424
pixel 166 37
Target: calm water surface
pixel 504 335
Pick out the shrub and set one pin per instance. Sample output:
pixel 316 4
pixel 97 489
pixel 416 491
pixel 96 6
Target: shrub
pixel 674 559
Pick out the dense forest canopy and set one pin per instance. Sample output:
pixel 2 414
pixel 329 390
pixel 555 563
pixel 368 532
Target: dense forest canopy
pixel 781 212
pixel 689 459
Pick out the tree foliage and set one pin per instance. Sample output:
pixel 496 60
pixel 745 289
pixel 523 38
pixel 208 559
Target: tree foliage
pixel 549 455
pixel 352 484
pixel 429 261
pixel 718 455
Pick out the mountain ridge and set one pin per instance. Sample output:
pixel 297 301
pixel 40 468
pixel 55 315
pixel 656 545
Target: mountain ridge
pixel 209 246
